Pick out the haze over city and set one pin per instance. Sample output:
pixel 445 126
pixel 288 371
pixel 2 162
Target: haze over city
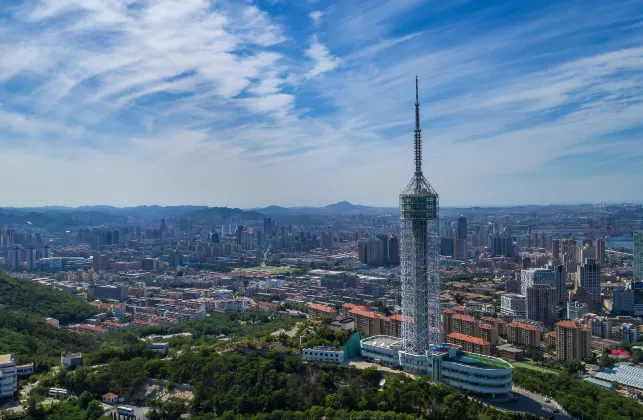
pixel 306 103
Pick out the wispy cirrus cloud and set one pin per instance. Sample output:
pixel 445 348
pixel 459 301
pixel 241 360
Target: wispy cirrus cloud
pixel 245 95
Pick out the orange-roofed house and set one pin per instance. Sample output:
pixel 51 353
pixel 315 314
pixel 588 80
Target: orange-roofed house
pixel 520 334
pixel 469 343
pixel 317 310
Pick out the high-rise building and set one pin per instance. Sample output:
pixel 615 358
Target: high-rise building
pixel 15 257
pixel 327 240
pixel 600 251
pixel 541 303
pixel 462 228
pixel 533 276
pixel 573 342
pixel 447 247
pixel 420 271
pixel 369 251
pixel 383 249
pixel 589 278
pixel 638 255
pixel 394 250
pixel 267 225
pixel 560 283
pixel 555 251
pixel 522 334
pixel 501 245
pixel 31 258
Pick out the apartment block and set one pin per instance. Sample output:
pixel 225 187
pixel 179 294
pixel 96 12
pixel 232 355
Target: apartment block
pixel 573 342
pixel 317 310
pixel 8 376
pixel 520 334
pixel 470 344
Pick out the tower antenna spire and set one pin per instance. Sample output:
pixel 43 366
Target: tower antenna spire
pixel 418 136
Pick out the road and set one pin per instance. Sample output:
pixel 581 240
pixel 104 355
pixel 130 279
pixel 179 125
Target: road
pixel 533 404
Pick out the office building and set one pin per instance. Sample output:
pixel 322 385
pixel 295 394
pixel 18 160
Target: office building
pixel 638 255
pixel 447 247
pixel 15 257
pixel 327 240
pixel 462 228
pixel 533 276
pixel 589 278
pixel 560 284
pixel 513 304
pixel 623 301
pixel 573 342
pixel 324 354
pixel 267 226
pixel 100 262
pixel 541 304
pixel 600 251
pixel 576 309
pixel 460 249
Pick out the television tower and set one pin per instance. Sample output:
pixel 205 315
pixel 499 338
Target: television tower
pixel 420 271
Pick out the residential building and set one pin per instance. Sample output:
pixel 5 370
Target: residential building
pixel 488 333
pixel 370 323
pixel 600 326
pixel 599 344
pixel 541 303
pixel 469 343
pixel 394 250
pixel 8 376
pixel 589 278
pixel 513 304
pixel 521 334
pixel 626 333
pixel 501 325
pixel 318 310
pixel 533 276
pixel 573 342
pixel 158 348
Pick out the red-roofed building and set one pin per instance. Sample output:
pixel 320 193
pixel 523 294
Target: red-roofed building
pixel 488 333
pixel 317 310
pixel 110 398
pixel 520 334
pixel 371 323
pixel 620 353
pixel 573 342
pixel 501 325
pixel 347 307
pixel 469 343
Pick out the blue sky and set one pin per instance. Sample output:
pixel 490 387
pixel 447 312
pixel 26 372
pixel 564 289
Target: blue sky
pixel 295 102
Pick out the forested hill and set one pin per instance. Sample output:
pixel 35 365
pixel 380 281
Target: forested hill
pixel 35 298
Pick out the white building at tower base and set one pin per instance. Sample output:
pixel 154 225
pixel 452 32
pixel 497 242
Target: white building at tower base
pixel 469 372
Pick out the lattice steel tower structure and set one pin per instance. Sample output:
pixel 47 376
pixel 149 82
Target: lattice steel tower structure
pixel 420 271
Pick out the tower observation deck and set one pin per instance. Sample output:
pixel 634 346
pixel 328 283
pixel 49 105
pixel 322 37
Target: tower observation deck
pixel 420 271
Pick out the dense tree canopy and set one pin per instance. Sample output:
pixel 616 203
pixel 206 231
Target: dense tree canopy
pixel 35 298
pixel 580 398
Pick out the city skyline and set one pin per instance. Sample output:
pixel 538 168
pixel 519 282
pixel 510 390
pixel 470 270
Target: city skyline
pixel 261 103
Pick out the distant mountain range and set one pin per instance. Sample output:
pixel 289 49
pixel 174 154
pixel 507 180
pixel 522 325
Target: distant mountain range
pixel 342 207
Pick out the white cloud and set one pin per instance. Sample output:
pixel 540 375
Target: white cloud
pixel 316 16
pixel 322 58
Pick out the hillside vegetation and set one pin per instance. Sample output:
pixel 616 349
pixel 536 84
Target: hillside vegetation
pixel 35 298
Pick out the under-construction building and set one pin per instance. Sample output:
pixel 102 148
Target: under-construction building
pixel 421 350
pixel 420 270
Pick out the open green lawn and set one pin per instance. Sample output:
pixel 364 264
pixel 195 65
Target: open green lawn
pixel 273 269
pixel 533 367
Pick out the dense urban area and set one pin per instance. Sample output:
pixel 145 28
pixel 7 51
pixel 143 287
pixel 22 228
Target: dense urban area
pixel 158 312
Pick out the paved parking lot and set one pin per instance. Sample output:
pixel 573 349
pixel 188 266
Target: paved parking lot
pixel 139 412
